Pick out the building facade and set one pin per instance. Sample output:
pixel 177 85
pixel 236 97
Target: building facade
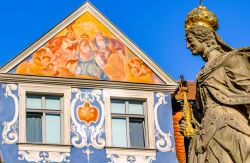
pixel 85 93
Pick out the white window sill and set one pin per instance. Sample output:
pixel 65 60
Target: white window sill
pixel 44 147
pixel 131 151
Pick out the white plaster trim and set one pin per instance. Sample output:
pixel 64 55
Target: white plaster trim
pixel 163 140
pixel 119 93
pixel 131 151
pixel 88 7
pixel 44 147
pixel 9 133
pixel 50 89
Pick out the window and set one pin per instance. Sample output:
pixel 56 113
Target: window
pixel 129 119
pixel 128 123
pixel 43 118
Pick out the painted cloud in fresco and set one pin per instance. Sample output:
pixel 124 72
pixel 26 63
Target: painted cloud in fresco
pixel 87 49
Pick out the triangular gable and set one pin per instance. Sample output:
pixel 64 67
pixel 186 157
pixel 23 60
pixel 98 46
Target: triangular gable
pixel 86 45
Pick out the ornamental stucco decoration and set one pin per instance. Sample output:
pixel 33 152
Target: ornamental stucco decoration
pixel 163 140
pixel 43 157
pixel 9 133
pixel 80 138
pixel 114 158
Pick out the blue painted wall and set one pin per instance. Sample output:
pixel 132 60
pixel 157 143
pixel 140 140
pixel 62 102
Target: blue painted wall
pixel 80 149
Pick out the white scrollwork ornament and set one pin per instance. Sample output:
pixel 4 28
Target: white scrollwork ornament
pixel 38 156
pixel 9 133
pixel 163 141
pixel 57 157
pixel 80 138
pixel 97 131
pixel 31 156
pixel 114 158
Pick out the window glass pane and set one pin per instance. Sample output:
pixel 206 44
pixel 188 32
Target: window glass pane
pixel 118 106
pixel 34 127
pixel 52 103
pixel 119 134
pixel 136 127
pixel 53 128
pixel 136 108
pixel 34 102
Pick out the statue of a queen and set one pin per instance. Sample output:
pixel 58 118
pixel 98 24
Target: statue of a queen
pixel 223 93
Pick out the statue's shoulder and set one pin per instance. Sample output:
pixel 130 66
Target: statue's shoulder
pixel 233 57
pixel 241 52
pixel 237 56
pixel 216 63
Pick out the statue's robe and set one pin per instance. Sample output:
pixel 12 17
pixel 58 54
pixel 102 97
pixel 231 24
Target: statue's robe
pixel 223 94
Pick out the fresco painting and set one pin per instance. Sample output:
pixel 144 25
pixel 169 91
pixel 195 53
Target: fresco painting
pixel 87 49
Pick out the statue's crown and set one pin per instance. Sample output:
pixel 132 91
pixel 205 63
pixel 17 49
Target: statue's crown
pixel 201 16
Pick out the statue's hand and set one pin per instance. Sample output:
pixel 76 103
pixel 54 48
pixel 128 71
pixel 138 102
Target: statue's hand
pixel 182 124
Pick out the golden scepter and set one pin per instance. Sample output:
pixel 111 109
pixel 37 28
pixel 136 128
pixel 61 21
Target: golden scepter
pixel 187 110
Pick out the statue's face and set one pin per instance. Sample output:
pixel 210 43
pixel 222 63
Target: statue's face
pixel 193 44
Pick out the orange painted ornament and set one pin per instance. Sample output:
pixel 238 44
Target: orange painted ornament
pixel 87 113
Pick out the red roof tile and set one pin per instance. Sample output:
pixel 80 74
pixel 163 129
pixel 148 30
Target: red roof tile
pixel 191 92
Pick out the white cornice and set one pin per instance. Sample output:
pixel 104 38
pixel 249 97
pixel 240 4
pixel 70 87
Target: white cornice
pixel 85 83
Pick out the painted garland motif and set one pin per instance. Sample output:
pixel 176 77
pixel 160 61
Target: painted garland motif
pixel 9 134
pixel 89 115
pixel 163 140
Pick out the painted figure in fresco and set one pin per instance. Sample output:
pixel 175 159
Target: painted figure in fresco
pixel 101 47
pixel 86 64
pixel 223 94
pixel 109 55
pixel 63 48
pixel 137 67
pixel 40 64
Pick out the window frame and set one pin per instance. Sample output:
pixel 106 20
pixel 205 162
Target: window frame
pixel 148 97
pixel 44 111
pixel 128 116
pixel 40 89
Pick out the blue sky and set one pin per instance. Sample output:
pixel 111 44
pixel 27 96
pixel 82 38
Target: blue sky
pixel 157 27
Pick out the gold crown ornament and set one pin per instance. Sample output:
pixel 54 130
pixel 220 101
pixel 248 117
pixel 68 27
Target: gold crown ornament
pixel 201 16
